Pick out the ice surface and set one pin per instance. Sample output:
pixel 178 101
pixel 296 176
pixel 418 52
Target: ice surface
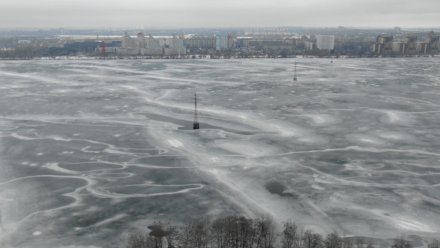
pixel 90 150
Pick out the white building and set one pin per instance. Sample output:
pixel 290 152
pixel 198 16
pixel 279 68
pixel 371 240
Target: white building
pixel 174 46
pixel 23 43
pixel 152 46
pixel 221 42
pixel 325 42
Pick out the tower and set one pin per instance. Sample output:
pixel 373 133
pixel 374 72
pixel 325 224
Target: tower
pixel 294 75
pixel 196 124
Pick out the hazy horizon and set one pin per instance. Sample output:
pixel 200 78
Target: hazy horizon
pixel 128 28
pixel 16 14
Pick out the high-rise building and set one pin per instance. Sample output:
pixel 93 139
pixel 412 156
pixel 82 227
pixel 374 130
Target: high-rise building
pixel 433 42
pixel 152 46
pixel 200 42
pixel 174 46
pixel 221 42
pixel 383 45
pixel 129 46
pixel 325 42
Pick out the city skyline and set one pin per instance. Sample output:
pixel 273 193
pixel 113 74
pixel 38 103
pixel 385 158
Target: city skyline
pixel 212 13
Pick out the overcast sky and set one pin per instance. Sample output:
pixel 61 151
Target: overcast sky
pixel 218 13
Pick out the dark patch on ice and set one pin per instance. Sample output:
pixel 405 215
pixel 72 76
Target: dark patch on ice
pixel 337 160
pixel 277 188
pixel 211 127
pixel 188 124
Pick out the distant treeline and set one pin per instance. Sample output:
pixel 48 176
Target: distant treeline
pixel 241 232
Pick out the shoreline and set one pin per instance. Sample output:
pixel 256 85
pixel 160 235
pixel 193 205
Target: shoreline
pixel 205 57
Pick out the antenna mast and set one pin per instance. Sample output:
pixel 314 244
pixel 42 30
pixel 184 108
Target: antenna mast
pixel 294 75
pixel 196 124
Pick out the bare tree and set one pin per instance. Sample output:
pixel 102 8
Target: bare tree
pixel 195 234
pixel 172 236
pixel 312 240
pixel 290 236
pixel 219 233
pixel 348 242
pixel 265 232
pixel 234 232
pixel 162 234
pixel 370 244
pixel 360 242
pixel 333 241
pixel 401 243
pixel 241 232
pixel 139 240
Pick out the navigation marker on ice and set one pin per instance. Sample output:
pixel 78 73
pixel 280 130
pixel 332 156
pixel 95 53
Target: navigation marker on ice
pixel 294 75
pixel 196 124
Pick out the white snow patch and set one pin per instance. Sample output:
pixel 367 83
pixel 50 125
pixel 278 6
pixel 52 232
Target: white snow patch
pixel 364 139
pixel 248 148
pixel 175 143
pixel 109 220
pixel 322 119
pixel 57 168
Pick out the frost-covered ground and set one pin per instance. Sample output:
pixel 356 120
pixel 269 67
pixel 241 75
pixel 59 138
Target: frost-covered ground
pixel 90 150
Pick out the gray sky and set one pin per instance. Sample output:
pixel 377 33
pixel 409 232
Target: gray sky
pixel 218 13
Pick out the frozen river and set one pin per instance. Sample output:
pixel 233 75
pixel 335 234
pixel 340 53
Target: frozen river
pixel 90 150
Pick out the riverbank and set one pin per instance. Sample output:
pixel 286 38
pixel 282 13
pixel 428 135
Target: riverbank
pixel 195 57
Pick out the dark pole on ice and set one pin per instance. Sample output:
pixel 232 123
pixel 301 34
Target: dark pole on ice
pixel 294 75
pixel 196 124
